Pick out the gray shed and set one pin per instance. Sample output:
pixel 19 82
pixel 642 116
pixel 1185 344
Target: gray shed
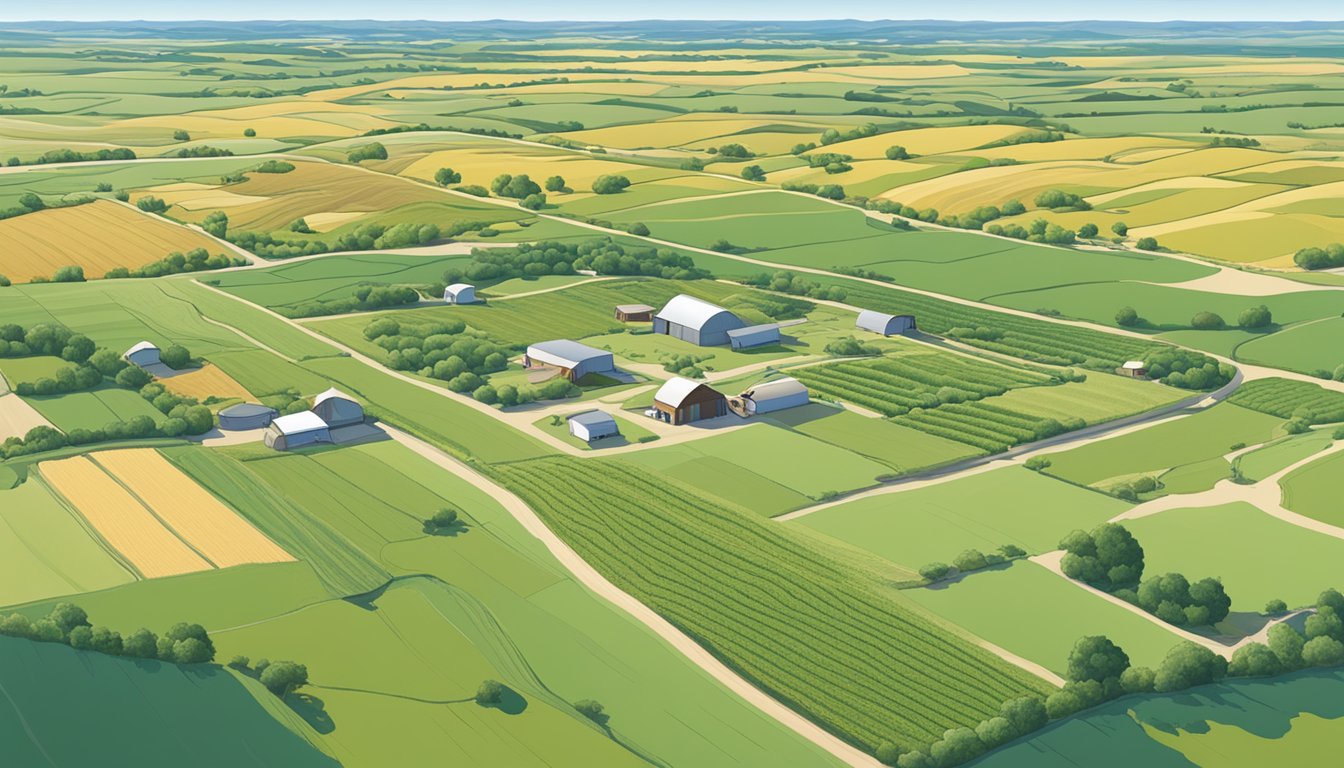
pixel 754 336
pixel 246 416
pixel 574 360
pixel 142 354
pixel 887 325
pixel 699 322
pixel 337 409
pixel 775 395
pixel 593 425
pixel 460 293
pixel 296 430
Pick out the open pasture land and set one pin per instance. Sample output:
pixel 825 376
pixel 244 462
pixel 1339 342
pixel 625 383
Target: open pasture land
pixel 96 236
pixel 209 527
pixel 206 381
pixel 984 511
pixel 288 285
pixel 1307 347
pixel 19 369
pixel 121 519
pixel 763 600
pixel 46 551
pixel 1184 441
pixel 93 409
pixel 1008 605
pixel 1313 490
pixel 901 448
pixel 1258 557
pixel 264 373
pixel 1101 397
pixel 162 713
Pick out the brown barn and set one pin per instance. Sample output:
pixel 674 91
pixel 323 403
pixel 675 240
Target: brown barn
pixel 681 401
pixel 634 313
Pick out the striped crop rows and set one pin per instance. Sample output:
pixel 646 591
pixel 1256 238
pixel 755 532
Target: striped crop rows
pixel 1290 399
pixel 815 634
pixel 1023 337
pixel 893 386
pixel 992 428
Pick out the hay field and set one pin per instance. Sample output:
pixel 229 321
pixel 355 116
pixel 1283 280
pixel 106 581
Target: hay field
pixel 205 382
pixel 121 520
pixel 213 529
pixel 97 236
pixel 283 118
pixel 17 417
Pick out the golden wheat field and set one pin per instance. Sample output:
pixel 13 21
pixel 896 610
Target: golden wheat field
pixel 205 382
pixel 17 417
pixel 211 528
pixel 122 521
pixel 96 236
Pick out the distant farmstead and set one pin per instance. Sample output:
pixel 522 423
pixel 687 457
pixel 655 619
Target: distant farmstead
pixel 142 354
pixel 574 360
pixel 775 395
pixel 593 425
pixel 297 430
pixel 698 322
pixel 460 293
pixel 634 313
pixel 754 336
pixel 887 325
pixel 682 401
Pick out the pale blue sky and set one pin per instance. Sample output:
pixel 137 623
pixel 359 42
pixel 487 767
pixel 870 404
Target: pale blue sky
pixel 455 10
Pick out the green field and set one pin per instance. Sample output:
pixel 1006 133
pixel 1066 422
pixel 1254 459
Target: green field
pixel 20 369
pixel 1009 605
pixel 93 409
pixel 1263 462
pixel 1313 490
pixel 901 448
pixel 983 511
pixel 288 285
pixel 1102 397
pixel 1258 557
pixel 762 599
pixel 1288 399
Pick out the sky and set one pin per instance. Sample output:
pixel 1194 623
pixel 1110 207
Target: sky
pixel 606 10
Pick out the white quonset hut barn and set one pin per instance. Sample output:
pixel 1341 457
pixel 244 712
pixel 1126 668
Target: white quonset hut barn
pixel 754 336
pixel 887 325
pixel 699 322
pixel 337 409
pixel 460 293
pixel 593 425
pixel 775 395
pixel 142 354
pixel 296 430
pixel 574 360
pixel 246 416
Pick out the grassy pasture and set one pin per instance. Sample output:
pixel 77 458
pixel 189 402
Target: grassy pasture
pixel 286 285
pixel 1101 397
pixel 1313 490
pixel 901 448
pixel 983 511
pixel 93 409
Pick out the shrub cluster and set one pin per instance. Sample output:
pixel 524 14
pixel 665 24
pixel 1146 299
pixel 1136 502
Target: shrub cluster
pixel 1187 369
pixel 362 299
pixel 604 256
pixel 371 151
pixel 69 624
pixel 1173 599
pixel 971 560
pixel 195 260
pixel 1329 257
pixel 797 285
pixel 1108 558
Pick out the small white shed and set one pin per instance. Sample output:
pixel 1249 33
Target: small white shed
pixel 775 395
pixel 460 293
pixel 593 425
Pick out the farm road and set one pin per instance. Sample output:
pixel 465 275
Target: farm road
pixel 589 577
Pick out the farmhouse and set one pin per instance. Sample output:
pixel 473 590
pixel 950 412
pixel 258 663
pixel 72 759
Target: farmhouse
pixel 246 416
pixel 1134 369
pixel 681 401
pixel 754 336
pixel 574 360
pixel 296 430
pixel 699 322
pixel 460 293
pixel 634 313
pixel 142 354
pixel 337 409
pixel 887 325
pixel 775 395
pixel 593 425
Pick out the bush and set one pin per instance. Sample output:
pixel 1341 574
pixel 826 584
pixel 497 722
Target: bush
pixel 1207 321
pixel 970 560
pixel 935 571
pixel 1255 317
pixel 1037 463
pixel 284 677
pixel 590 708
pixel 888 753
pixel 1054 198
pixel 1147 244
pixel 1096 658
pixel 1137 680
pixel 1329 257
pixel 897 152
pixel 1275 607
pixel 371 151
pixel 1323 651
pixel 445 176
pixel 175 356
pixel 1108 558
pixel 1127 316
pixel 610 184
pixel 1188 665
pixel 1254 660
pixel 489 693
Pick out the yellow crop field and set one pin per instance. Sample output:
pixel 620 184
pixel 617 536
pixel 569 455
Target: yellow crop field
pixel 864 171
pixel 195 196
pixel 478 165
pixel 1115 148
pixel 96 236
pixel 204 382
pixel 928 141
pixel 903 71
pixel 292 117
pixel 329 220
pixel 675 133
pixel 211 528
pixel 17 416
pixel 121 520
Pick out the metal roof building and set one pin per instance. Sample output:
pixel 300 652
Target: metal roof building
pixel 593 425
pixel 699 322
pixel 634 313
pixel 775 395
pixel 680 401
pixel 460 293
pixel 142 354
pixel 574 360
pixel 754 336
pixel 337 409
pixel 296 430
pixel 246 416
pixel 887 325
